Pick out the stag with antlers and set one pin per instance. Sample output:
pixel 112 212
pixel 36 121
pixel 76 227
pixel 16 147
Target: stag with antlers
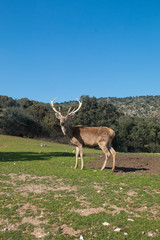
pixel 86 136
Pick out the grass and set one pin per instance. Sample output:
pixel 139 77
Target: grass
pixel 42 196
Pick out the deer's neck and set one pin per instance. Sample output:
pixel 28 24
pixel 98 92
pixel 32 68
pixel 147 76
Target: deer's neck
pixel 67 130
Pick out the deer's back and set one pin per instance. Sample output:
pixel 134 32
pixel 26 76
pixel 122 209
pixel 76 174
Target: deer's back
pixel 91 136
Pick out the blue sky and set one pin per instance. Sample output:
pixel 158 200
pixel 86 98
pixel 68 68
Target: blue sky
pixel 70 48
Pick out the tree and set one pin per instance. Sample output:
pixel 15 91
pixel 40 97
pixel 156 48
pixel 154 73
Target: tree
pixel 123 128
pixel 18 123
pixel 87 115
pixel 7 102
pixel 96 113
pixel 25 102
pixel 38 112
pixel 106 113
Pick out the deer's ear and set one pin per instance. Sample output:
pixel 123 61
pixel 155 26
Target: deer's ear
pixel 57 115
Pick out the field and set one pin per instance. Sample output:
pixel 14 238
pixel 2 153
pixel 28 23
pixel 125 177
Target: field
pixel 42 196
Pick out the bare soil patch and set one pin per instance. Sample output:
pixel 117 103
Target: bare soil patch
pixel 69 230
pixel 128 163
pixel 88 211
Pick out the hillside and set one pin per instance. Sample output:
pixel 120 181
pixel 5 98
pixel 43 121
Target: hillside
pixel 143 106
pixel 140 106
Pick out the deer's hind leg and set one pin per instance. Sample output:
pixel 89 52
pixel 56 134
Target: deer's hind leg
pixel 113 152
pixel 104 148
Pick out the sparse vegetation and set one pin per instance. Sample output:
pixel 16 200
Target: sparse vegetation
pixel 43 197
pixel 140 106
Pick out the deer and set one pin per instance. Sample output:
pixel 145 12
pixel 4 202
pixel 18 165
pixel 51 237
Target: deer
pixel 80 136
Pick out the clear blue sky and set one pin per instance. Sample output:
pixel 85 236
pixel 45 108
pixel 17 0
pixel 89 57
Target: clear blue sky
pixel 69 48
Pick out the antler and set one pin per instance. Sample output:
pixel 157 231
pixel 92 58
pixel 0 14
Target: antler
pixel 59 114
pixel 52 105
pixel 74 110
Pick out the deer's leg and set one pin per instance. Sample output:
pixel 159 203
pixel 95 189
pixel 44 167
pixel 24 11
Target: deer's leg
pixel 113 152
pixel 104 148
pixel 77 154
pixel 81 155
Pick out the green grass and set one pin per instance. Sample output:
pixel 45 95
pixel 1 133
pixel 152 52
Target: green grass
pixel 43 196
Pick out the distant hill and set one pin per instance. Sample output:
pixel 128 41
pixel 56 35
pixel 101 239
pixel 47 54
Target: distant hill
pixel 143 106
pixel 140 106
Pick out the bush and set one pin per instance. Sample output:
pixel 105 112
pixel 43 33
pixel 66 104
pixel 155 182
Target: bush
pixel 17 122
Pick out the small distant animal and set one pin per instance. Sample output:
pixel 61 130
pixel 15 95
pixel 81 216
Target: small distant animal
pixel 88 136
pixel 43 145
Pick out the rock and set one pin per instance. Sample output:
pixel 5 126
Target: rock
pixel 106 224
pixel 117 229
pixel 131 220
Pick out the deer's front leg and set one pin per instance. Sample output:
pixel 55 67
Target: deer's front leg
pixel 77 154
pixel 81 155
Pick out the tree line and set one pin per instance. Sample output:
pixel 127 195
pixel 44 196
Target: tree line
pixel 34 119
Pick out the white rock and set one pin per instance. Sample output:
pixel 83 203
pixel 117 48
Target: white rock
pixel 81 237
pixel 150 234
pixel 131 220
pixel 117 230
pixel 106 224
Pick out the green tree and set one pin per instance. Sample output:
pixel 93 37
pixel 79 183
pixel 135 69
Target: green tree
pixel 87 114
pixel 7 102
pixel 123 128
pixel 96 113
pixel 18 123
pixel 25 102
pixel 106 114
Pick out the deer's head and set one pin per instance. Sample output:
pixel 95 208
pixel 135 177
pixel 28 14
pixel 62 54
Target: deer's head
pixel 64 119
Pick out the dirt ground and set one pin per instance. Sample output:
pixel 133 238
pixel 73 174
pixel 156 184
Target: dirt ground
pixel 128 163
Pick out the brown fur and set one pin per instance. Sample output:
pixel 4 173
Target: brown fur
pixel 87 136
pixel 93 137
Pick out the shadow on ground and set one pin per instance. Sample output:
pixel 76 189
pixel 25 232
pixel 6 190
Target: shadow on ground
pixel 128 169
pixel 125 163
pixel 31 156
